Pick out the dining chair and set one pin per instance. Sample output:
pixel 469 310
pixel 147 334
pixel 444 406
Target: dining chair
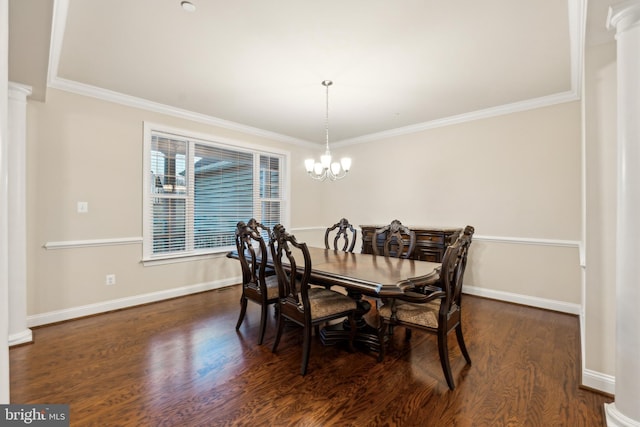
pixel 344 233
pixel 257 285
pixel 437 311
pixel 436 281
pixel 340 232
pixel 393 241
pixel 391 238
pixel 298 302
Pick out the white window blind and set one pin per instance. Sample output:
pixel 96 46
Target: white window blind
pixel 199 190
pixel 270 189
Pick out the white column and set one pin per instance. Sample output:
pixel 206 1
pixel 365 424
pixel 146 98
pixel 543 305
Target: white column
pixel 4 248
pixel 19 333
pixel 625 411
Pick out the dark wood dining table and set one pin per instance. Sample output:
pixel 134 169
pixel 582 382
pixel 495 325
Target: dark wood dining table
pixel 364 274
pixel 376 276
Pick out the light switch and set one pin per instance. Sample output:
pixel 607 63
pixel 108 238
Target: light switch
pixel 83 207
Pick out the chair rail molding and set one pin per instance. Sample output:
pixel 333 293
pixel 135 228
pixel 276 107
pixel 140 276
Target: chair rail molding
pixel 495 239
pixel 70 244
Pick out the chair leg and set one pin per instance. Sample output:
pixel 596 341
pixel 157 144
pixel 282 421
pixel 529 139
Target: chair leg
pixel 280 327
pixel 463 347
pixel 243 310
pixel 263 322
pixel 444 358
pixel 306 348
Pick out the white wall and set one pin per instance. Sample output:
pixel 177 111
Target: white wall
pixel 85 149
pixel 516 178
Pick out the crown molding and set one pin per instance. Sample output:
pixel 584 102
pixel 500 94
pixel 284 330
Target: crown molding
pixel 531 104
pixel 144 104
pixel 577 26
pixel 58 24
pixel 131 101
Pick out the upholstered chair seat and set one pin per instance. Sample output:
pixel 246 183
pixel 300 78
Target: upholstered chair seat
pixel 326 303
pixel 417 314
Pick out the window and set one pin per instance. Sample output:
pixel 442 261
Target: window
pixel 197 190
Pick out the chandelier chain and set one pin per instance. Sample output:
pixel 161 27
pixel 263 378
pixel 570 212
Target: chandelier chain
pixel 327 83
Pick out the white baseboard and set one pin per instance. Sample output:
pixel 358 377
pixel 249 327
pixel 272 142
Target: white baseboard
pixel 102 307
pixel 561 306
pixel 599 381
pixel 23 337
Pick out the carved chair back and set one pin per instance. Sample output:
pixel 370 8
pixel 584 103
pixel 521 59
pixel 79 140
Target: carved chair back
pixel 345 233
pixel 449 275
pixel 293 281
pixel 253 255
pixel 393 240
pixel 465 242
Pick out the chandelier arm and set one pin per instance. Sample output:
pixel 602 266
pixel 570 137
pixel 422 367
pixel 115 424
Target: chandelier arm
pixel 328 174
pixel 321 177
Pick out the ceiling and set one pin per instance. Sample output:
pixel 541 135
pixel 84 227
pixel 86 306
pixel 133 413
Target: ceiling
pixel 257 66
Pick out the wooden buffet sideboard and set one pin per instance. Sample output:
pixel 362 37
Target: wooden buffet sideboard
pixel 430 242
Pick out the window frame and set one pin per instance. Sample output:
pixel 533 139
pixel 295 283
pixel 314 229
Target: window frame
pixel 149 130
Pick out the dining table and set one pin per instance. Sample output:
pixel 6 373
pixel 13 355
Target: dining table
pixel 361 275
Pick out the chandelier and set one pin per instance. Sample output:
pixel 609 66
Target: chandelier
pixel 325 168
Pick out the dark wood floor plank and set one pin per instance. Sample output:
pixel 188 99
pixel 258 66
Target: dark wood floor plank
pixel 182 363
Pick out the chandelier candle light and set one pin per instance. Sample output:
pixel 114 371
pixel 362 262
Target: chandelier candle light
pixel 325 168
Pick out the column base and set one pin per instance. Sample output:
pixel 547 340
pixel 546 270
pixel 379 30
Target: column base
pixel 616 419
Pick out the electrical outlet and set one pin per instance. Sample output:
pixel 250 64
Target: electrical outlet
pixel 83 207
pixel 110 279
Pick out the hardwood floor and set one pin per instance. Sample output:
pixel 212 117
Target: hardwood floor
pixel 182 363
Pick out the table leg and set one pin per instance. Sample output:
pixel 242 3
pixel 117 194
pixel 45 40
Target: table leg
pixel 366 335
